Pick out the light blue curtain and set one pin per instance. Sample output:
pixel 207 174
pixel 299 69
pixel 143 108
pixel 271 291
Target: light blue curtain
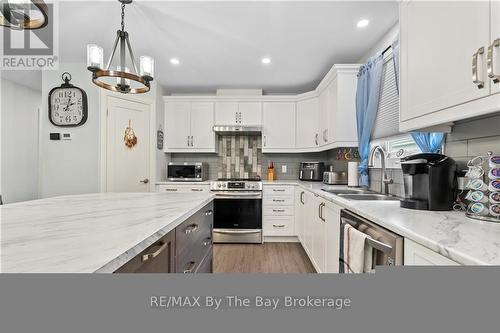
pixel 367 98
pixel 427 142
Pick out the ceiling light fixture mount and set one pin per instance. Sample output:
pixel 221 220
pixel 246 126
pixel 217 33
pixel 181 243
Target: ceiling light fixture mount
pixel 24 15
pixel 266 60
pixel 101 76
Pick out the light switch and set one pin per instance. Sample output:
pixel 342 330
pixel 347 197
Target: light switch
pixel 283 169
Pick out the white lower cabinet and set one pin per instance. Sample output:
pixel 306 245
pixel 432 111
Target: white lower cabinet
pixel 331 214
pixel 278 211
pixel 418 255
pixel 183 188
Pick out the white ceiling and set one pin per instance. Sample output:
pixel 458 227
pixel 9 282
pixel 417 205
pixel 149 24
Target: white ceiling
pixel 220 44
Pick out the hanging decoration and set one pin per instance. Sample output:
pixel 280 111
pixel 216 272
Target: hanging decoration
pixel 159 138
pixel 130 138
pixel 120 79
pixel 29 15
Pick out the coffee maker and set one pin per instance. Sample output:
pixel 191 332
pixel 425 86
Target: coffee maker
pixel 430 182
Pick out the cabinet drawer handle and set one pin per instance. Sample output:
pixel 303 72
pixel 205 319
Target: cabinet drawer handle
pixel 190 267
pixel 278 190
pixel 278 225
pixel 207 241
pixel 316 138
pixel 491 60
pixel 278 210
pixel 278 200
pixel 191 228
pixel 209 212
pixel 171 189
pixel 475 76
pixel 302 197
pixel 197 189
pixel 153 255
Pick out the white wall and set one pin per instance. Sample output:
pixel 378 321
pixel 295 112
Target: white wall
pixel 19 142
pixel 70 167
pixel 386 40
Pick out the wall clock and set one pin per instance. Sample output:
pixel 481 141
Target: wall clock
pixel 67 104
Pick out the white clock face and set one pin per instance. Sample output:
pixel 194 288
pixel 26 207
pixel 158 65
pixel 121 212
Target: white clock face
pixel 67 106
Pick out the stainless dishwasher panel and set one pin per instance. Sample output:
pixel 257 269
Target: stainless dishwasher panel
pixel 387 246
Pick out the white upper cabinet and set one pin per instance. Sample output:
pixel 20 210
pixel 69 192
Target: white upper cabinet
pixel 443 61
pixel 188 127
pixel 202 121
pixel 278 126
pixel 238 113
pixel 177 125
pixel 325 108
pixel 307 124
pixel 495 35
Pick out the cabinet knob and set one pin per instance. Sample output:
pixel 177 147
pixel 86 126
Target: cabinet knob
pixel 145 181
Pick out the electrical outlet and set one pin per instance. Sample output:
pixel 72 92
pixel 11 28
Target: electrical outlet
pixel 283 169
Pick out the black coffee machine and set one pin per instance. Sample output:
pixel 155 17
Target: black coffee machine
pixel 430 182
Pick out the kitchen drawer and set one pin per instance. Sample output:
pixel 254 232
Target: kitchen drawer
pixel 157 258
pixel 206 266
pixel 279 201
pixel 272 190
pixel 195 230
pixel 278 211
pixel 185 188
pixel 278 226
pixel 188 260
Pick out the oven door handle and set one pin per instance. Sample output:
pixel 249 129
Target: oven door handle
pixel 227 231
pixel 238 195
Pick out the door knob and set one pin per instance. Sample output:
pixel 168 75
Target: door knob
pixel 145 181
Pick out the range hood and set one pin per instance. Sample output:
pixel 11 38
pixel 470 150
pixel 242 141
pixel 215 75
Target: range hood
pixel 237 130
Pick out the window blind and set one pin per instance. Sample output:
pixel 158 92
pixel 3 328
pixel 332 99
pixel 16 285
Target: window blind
pixel 387 121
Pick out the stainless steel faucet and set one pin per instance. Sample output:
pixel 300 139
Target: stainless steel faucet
pixel 384 181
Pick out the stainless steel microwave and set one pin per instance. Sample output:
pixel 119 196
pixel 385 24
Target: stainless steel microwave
pixel 187 171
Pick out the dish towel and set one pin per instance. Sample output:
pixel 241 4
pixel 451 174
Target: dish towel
pixel 357 255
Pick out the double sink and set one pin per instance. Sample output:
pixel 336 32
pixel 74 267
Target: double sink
pixel 360 194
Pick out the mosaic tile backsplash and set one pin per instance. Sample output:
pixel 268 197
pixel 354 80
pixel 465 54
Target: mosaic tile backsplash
pixel 239 156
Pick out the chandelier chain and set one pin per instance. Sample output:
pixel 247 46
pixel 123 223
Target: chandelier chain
pixel 123 17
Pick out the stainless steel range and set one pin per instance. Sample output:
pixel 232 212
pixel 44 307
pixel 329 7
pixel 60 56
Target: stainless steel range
pixel 237 210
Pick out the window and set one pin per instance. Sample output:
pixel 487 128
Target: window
pixel 386 129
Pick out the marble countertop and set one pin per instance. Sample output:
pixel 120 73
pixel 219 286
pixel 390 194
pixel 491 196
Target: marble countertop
pixel 88 233
pixel 464 240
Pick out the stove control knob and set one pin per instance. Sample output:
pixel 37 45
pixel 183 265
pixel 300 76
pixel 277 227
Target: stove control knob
pixel 219 185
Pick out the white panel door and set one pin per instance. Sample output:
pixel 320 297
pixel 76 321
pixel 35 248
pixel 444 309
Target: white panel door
pixel 278 126
pixel 310 214
pixel 323 117
pixel 331 213
pixel 418 255
pixel 495 34
pixel 177 125
pixel 225 113
pixel 202 121
pixel 250 113
pixel 307 123
pixel 318 243
pixel 127 169
pixel 299 213
pixel 437 44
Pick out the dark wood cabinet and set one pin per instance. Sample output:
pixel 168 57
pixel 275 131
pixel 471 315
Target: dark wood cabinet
pixel 157 258
pixel 186 249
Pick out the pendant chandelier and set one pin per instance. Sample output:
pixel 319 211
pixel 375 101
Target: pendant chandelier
pixel 122 79
pixel 21 15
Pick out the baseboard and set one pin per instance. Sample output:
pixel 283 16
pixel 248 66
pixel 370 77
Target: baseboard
pixel 281 239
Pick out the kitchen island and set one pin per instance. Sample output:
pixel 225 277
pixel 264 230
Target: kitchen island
pixel 89 233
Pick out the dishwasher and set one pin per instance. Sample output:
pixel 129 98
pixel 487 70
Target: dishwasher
pixel 387 247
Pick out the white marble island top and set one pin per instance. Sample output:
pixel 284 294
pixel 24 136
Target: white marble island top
pixel 88 233
pixel 452 234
